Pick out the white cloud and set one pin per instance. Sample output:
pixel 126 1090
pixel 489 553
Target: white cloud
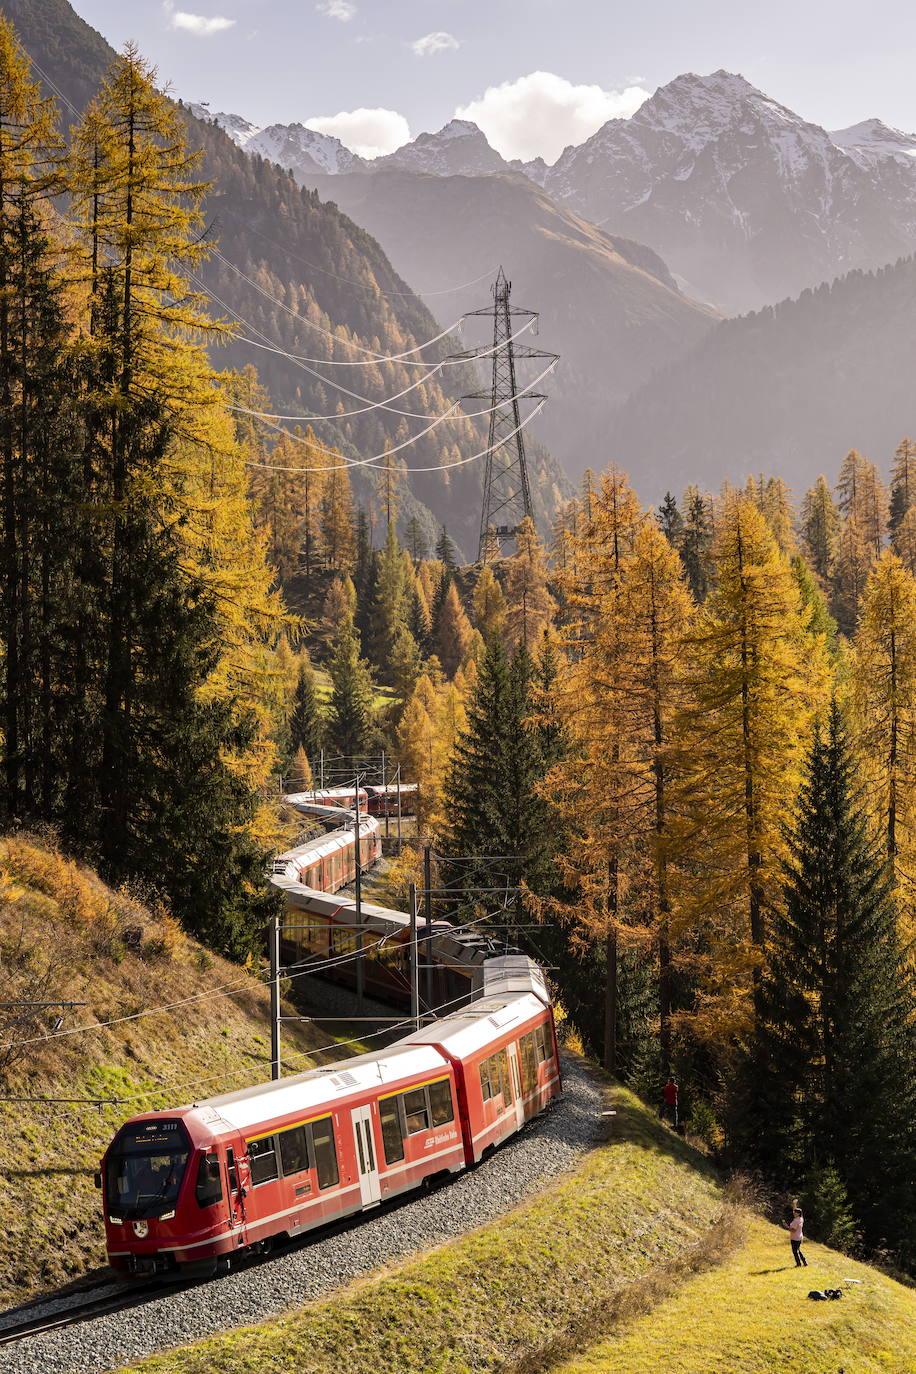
pixel 433 43
pixel 370 133
pixel 200 24
pixel 539 114
pixel 337 9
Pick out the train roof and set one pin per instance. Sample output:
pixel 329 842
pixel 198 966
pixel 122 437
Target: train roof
pixel 317 1088
pixel 333 905
pixel 323 845
pixel 474 1027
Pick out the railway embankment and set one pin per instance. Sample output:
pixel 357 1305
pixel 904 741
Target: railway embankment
pixel 64 934
pixel 635 1261
pixel 635 1211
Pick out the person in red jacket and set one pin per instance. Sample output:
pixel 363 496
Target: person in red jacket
pixel 669 1101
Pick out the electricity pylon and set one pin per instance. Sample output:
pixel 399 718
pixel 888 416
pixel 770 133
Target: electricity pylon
pixel 506 492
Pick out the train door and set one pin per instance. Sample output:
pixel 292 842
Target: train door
pixel 236 1189
pixel 369 1182
pixel 512 1051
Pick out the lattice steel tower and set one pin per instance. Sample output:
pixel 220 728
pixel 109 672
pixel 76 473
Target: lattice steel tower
pixel 506 493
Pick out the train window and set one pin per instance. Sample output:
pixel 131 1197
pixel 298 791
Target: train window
pixel 505 1082
pixel 416 1111
pixel 545 1047
pixel 325 1152
pixel 342 941
pixel 440 1102
pixel 294 1150
pixel 529 1063
pixel 232 1171
pixel 370 1151
pixel 392 1135
pixel 209 1187
pixel 486 1088
pixel 262 1156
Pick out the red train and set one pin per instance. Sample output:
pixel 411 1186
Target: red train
pixel 185 1190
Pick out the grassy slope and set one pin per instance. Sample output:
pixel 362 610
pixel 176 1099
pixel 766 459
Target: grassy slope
pixel 51 909
pixel 752 1316
pixel 641 1214
pixel 633 1205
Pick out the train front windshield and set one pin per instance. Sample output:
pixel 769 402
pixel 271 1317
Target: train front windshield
pixel 145 1168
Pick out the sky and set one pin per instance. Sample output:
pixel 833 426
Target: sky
pixel 534 74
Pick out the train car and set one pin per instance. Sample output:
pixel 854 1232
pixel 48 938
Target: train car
pixel 504 1050
pixel 328 862
pixel 186 1190
pixel 392 799
pixel 335 796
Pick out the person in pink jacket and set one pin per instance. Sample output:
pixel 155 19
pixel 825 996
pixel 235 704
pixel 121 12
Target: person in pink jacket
pixel 796 1235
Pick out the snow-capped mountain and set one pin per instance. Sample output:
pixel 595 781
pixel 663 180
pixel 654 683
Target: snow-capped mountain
pixel 745 200
pixel 289 145
pixel 870 142
pixel 458 149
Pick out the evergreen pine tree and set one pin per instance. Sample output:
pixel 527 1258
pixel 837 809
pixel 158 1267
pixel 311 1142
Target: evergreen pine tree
pixel 903 483
pixel 415 539
pixel 833 1068
pixel 31 346
pixel 491 803
pixel 445 551
pixel 696 542
pixel 670 520
pixel 350 724
pixel 820 523
pixel 306 727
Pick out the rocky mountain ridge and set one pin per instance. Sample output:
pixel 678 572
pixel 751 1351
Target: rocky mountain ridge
pixel 746 201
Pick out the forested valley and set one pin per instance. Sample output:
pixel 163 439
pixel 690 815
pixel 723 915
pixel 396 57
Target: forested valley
pixel 692 730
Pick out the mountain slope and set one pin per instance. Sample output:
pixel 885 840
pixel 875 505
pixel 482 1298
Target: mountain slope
pixel 786 391
pixel 608 305
pixel 315 264
pixel 103 949
pixel 746 201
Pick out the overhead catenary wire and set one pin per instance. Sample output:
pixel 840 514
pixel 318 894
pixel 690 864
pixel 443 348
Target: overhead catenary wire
pixel 347 343
pixel 365 362
pixel 374 461
pixel 326 381
pixel 452 413
pixel 338 416
pixel 229 989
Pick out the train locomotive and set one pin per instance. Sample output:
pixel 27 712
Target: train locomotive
pixel 185 1190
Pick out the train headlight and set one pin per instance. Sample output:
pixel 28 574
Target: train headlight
pixel 167 1216
pixel 116 1221
pixel 141 1229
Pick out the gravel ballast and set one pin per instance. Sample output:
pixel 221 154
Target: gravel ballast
pixel 546 1148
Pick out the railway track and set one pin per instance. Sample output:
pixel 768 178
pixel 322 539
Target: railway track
pixel 111 1298
pixel 120 1297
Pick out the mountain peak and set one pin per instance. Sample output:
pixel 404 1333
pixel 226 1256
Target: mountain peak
pixel 869 142
pixel 459 148
pixel 458 128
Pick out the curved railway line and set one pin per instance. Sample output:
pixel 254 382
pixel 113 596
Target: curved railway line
pixel 39 1334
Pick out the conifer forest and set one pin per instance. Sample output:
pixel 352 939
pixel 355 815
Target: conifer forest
pixel 682 733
